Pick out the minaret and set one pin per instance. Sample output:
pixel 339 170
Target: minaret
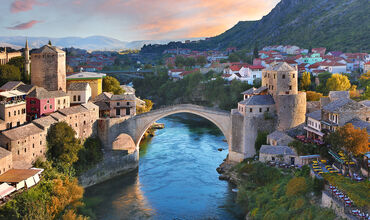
pixel 27 60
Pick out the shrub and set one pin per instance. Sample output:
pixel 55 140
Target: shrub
pixel 296 186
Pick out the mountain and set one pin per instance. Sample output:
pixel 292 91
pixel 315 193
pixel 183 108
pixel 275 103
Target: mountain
pixel 88 43
pixel 335 24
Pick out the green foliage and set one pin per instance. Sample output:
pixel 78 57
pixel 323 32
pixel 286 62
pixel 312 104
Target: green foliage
pixel 182 61
pixel 63 146
pixel 9 73
pixel 266 193
pixel 89 155
pixel 357 191
pixel 111 84
pixel 260 140
pixel 308 149
pixel 194 88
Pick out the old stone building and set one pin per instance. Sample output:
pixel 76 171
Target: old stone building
pixel 79 93
pixel 12 109
pixel 49 68
pixel 5 56
pixel 28 142
pixel 277 104
pixel 110 105
pixel 95 80
pixel 6 162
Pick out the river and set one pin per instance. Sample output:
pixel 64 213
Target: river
pixel 176 179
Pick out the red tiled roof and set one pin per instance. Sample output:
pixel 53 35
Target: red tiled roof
pixel 256 67
pixel 226 75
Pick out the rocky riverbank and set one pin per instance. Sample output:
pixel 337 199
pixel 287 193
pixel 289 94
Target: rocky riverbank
pixel 228 172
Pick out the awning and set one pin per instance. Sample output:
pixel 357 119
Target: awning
pixel 5 190
pixel 314 131
pixel 310 156
pixel 30 182
pixel 336 157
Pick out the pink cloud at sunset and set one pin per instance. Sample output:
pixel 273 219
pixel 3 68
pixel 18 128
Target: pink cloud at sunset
pixel 24 5
pixel 24 26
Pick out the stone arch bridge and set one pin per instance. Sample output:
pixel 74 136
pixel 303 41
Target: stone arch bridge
pixel 239 131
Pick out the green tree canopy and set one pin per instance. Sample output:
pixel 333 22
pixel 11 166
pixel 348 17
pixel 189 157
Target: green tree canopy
pixel 111 84
pixel 9 73
pixel 63 146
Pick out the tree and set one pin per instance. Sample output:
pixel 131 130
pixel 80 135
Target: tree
pixel 201 60
pixel 255 52
pixel 63 146
pixel 111 84
pixel 146 108
pixel 306 81
pixel 313 96
pixel 366 94
pixel 49 43
pixel 233 58
pixel 353 140
pixel 260 140
pixel 296 186
pixel 365 80
pixel 338 82
pixel 9 73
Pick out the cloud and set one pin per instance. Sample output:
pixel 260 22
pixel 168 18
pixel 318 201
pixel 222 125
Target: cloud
pixel 24 26
pixel 156 19
pixel 24 5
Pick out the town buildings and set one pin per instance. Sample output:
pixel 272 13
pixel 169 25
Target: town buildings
pixel 12 109
pixel 95 81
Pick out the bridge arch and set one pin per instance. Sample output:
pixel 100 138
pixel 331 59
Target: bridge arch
pixel 220 118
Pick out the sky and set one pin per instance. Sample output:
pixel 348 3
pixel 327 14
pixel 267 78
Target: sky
pixel 127 20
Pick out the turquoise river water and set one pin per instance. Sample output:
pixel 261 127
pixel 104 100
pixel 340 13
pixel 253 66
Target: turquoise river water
pixel 176 179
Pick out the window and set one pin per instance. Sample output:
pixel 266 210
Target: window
pixel 84 122
pixel 283 76
pixel 25 150
pixel 272 87
pixel 293 75
pixel 118 103
pixel 19 112
pixel 260 109
pixel 15 113
pixel 254 76
pixel 251 110
pixel 128 103
pixel 274 76
pixel 290 87
pixel 64 101
pixel 32 102
pixel 48 101
pixel 33 145
pixel 45 107
pixel 79 98
pixel 74 98
pixel 18 152
pixel 58 101
pixel 24 111
pixel 268 109
pixel 40 142
pixel 9 114
pixel 51 106
pixel 76 125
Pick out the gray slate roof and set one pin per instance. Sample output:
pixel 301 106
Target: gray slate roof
pixel 360 124
pixel 103 97
pixel 47 47
pixel 72 110
pixel 253 91
pixel 278 135
pixel 22 131
pixel 315 115
pixel 366 103
pixel 130 97
pixel 44 122
pixel 277 150
pixel 258 100
pixel 11 85
pixel 339 94
pixel 26 88
pixel 78 86
pixel 341 104
pixel 280 66
pixel 42 93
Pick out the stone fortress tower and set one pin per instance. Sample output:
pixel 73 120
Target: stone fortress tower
pixel 27 67
pixel 49 68
pixel 277 104
pixel 281 81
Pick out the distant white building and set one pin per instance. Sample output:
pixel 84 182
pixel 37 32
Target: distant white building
pixel 79 93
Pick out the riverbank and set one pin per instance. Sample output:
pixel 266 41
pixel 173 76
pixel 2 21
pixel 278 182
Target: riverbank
pixel 271 193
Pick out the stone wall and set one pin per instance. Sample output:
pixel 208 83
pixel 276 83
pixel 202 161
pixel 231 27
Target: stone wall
pixel 328 202
pixel 114 163
pixel 291 110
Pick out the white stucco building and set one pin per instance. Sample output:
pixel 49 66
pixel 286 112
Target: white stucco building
pixel 79 93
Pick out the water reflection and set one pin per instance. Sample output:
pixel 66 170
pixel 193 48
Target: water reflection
pixel 177 177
